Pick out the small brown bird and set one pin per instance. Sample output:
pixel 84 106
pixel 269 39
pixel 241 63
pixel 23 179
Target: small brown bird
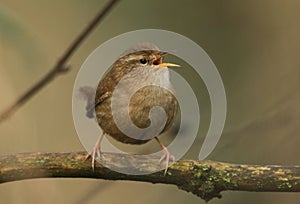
pixel 133 65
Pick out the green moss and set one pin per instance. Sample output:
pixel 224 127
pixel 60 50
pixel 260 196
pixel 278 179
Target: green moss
pixel 212 178
pixel 207 187
pixel 226 179
pixel 41 161
pixel 198 174
pixel 194 183
pixel 284 185
pixel 234 174
pixel 206 168
pixel 259 184
pixel 235 184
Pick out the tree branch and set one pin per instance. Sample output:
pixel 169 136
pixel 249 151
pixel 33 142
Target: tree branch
pixel 60 66
pixel 205 179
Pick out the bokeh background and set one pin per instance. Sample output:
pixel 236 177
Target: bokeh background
pixel 255 45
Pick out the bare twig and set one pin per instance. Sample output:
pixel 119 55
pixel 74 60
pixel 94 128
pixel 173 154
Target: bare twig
pixel 205 179
pixel 60 66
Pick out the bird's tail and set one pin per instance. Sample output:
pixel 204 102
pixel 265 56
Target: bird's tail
pixel 87 93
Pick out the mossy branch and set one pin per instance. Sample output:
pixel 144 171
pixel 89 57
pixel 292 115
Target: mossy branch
pixel 205 179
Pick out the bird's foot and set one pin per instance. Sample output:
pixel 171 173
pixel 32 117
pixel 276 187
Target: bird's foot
pixel 96 151
pixel 166 157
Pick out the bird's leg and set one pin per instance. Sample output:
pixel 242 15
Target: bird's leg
pixel 166 156
pixel 96 150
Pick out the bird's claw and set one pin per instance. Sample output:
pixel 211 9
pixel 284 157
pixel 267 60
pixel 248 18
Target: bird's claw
pixel 95 152
pixel 166 157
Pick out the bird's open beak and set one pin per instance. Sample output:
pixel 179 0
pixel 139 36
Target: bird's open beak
pixel 168 65
pixel 161 64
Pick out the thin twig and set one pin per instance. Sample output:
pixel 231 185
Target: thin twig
pixel 205 179
pixel 60 67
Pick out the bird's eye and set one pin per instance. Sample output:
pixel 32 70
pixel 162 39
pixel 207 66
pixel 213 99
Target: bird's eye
pixel 143 61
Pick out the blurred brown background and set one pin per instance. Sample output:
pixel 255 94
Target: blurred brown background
pixel 254 44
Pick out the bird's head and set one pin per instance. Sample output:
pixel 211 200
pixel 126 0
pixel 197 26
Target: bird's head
pixel 151 58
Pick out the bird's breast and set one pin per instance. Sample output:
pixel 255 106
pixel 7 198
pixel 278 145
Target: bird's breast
pixel 136 97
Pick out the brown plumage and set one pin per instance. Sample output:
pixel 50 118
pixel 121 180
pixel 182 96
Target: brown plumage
pixel 143 66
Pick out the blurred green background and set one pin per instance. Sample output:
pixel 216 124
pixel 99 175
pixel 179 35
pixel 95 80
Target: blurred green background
pixel 254 44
